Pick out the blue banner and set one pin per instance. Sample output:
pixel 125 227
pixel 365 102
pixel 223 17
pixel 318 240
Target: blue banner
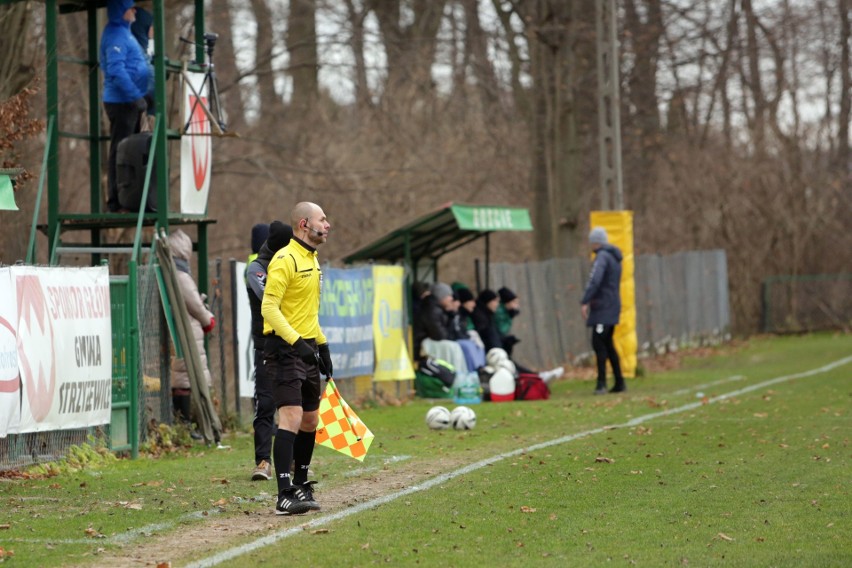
pixel 346 317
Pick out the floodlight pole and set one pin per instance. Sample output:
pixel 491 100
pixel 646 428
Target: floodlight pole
pixel 609 101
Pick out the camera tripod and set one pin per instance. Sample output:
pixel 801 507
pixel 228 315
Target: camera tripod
pixel 212 109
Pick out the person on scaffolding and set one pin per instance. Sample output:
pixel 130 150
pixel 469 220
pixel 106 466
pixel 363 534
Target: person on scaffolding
pixel 126 72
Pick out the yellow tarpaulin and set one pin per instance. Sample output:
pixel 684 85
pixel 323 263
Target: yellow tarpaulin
pixel 619 229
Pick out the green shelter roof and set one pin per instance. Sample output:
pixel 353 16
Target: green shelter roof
pixel 449 227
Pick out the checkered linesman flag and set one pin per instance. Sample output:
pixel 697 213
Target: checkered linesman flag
pixel 339 427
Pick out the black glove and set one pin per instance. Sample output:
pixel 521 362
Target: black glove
pixel 140 104
pixel 325 360
pixel 305 352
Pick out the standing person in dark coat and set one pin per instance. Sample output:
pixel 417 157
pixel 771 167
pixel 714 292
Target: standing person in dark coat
pixel 126 74
pixel 264 401
pixel 601 307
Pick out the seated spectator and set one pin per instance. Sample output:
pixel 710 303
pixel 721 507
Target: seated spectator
pixel 467 303
pixel 438 332
pixel 483 319
pixel 431 320
pixel 486 321
pixel 506 312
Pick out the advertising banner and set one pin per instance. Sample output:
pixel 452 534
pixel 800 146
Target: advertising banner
pixel 392 360
pixel 346 317
pixel 64 346
pixel 196 147
pixel 245 344
pixel 10 381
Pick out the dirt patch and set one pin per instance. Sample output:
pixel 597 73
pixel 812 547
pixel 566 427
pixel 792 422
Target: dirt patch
pixel 198 539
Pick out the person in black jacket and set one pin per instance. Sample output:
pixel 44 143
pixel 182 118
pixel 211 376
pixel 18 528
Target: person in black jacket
pixel 483 319
pixel 432 319
pixel 264 403
pixel 601 307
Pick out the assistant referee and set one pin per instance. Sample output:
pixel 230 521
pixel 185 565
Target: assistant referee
pixel 294 350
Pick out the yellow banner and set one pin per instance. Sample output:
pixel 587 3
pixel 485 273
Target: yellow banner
pixel 392 360
pixel 619 229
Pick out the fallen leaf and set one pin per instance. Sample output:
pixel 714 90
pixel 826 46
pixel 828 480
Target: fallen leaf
pixel 164 565
pixel 93 533
pixel 519 544
pixel 134 506
pixel 221 502
pixel 365 546
pixel 602 459
pixel 725 537
pixel 552 516
pixel 525 509
pixel 760 414
pixel 5 526
pixel 320 531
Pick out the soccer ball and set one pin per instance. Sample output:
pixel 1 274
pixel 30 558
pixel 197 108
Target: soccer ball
pixel 438 418
pixel 463 418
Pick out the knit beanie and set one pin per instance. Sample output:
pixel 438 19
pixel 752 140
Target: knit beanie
pixel 464 295
pixel 486 296
pixel 441 290
pixel 506 295
pixel 259 233
pixel 279 235
pixel 598 236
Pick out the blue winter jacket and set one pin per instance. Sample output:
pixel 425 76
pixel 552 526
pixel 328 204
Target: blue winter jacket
pixel 602 291
pixel 123 63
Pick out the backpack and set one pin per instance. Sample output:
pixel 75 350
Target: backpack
pixel 434 379
pixel 439 369
pixel 531 387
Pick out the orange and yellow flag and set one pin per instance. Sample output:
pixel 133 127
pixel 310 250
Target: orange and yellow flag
pixel 339 427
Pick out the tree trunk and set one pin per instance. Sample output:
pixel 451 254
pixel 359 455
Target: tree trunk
pixel 302 46
pixel 356 21
pixel 843 153
pixel 410 48
pixel 555 149
pixel 226 69
pixel 16 56
pixel 270 102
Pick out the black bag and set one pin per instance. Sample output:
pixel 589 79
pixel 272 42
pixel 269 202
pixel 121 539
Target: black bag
pixel 131 162
pixel 439 369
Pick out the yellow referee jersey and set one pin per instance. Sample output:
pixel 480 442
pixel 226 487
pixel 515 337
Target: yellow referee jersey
pixel 291 299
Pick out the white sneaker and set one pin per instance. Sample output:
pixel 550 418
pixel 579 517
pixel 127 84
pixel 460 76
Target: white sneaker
pixel 548 376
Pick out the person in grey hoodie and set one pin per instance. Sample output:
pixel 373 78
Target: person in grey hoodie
pixel 601 307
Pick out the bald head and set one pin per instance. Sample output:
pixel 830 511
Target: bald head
pixel 309 223
pixel 302 210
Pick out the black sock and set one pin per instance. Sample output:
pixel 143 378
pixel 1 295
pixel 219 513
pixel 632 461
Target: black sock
pixel 303 451
pixel 282 457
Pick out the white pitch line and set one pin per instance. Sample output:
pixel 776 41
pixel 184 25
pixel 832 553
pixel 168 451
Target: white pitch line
pixel 326 519
pixel 710 384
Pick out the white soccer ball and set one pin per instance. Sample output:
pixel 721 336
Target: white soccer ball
pixel 463 418
pixel 438 418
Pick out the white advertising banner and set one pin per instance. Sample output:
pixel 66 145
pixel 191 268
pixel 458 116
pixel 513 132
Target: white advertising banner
pixel 10 381
pixel 64 345
pixel 245 345
pixel 196 147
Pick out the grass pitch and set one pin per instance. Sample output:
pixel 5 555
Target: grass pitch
pixel 667 474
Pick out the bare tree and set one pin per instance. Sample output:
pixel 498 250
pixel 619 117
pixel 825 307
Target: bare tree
pixel 17 62
pixel 302 46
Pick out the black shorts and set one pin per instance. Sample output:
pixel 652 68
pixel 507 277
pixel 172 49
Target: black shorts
pixel 294 383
